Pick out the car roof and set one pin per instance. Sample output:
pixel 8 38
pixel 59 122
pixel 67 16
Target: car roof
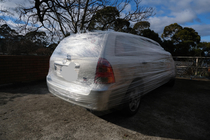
pixel 124 34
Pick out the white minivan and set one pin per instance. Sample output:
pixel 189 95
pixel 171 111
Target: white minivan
pixel 102 70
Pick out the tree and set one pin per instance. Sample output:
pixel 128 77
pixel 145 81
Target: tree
pixel 170 30
pixel 52 47
pixel 61 17
pixel 185 40
pixel 8 37
pixel 104 18
pixel 38 38
pixel 122 25
pixel 139 26
pixel 12 43
pixel 205 47
pixel 32 41
pixel 108 18
pixel 6 32
pixel 169 46
pixel 187 36
pixel 151 34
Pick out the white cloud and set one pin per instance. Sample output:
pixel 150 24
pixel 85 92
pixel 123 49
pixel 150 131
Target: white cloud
pixel 128 8
pixel 182 12
pixel 198 6
pixel 12 24
pixel 158 23
pixel 203 30
pixel 184 16
pixel 11 4
pixel 202 6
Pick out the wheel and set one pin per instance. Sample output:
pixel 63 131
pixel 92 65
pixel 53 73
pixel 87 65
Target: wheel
pixel 132 99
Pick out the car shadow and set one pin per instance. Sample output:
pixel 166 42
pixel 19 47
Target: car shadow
pixel 181 112
pixel 10 92
pixel 35 87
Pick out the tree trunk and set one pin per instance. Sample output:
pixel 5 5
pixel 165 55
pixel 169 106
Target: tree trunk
pixel 83 17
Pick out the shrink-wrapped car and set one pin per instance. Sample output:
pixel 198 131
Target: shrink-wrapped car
pixel 103 70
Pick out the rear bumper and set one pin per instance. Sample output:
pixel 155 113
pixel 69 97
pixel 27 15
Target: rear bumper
pixel 92 99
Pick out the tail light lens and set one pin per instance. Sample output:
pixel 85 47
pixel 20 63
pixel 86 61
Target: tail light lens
pixel 104 72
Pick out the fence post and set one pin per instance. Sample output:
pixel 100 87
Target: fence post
pixel 196 66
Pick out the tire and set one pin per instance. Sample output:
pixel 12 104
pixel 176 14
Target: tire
pixel 132 99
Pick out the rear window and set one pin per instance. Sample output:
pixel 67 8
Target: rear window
pixel 81 45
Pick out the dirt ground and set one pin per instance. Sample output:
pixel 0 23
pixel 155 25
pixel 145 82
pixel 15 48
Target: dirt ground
pixel 31 112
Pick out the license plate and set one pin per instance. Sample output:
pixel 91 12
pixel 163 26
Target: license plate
pixel 69 73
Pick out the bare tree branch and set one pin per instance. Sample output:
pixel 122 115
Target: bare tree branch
pixel 61 17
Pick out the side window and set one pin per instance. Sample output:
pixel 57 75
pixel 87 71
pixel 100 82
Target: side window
pixel 153 45
pixel 124 46
pixel 133 46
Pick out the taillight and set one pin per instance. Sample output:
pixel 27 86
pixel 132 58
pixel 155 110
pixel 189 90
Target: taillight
pixel 104 72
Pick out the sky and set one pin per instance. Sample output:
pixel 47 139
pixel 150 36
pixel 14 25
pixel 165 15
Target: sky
pixel 187 13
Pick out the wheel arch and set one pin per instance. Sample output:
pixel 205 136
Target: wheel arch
pixel 135 81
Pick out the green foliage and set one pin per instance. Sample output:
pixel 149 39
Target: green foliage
pixel 8 39
pixel 169 46
pixel 205 47
pixel 184 40
pixel 196 52
pixel 7 32
pixel 151 34
pixel 170 31
pixel 12 43
pixel 139 26
pixel 38 38
pixel 122 25
pixel 187 36
pixel 104 19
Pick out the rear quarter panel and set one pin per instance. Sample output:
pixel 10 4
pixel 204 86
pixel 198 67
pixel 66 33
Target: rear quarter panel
pixel 126 69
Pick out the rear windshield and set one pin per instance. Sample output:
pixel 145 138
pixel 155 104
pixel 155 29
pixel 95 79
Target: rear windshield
pixel 81 45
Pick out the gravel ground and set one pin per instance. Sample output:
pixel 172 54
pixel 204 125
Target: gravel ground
pixel 31 112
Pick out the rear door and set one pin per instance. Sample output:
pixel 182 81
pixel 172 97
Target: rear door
pixel 75 58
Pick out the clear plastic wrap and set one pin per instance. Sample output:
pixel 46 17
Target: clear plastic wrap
pixel 102 70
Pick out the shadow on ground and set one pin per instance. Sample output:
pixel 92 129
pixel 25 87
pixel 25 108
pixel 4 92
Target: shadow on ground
pixel 181 112
pixel 10 92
